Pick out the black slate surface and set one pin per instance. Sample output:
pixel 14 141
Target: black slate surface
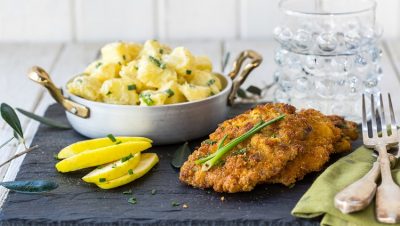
pixel 78 203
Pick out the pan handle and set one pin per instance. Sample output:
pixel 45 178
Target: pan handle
pixel 39 75
pixel 255 61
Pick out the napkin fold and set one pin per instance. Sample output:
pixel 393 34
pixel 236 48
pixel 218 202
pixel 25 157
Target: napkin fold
pixel 319 199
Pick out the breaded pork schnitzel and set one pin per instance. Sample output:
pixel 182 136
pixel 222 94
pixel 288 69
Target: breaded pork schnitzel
pixel 282 152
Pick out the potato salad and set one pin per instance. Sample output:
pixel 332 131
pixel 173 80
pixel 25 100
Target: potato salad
pixel 150 74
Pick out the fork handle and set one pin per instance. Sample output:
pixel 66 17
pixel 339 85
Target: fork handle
pixel 359 194
pixel 388 193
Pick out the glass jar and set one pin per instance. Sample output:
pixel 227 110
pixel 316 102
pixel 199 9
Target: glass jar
pixel 328 55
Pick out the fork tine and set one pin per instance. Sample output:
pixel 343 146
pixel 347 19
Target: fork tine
pixel 373 118
pixel 382 117
pixel 393 126
pixel 364 120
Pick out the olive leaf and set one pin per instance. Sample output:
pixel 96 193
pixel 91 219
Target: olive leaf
pixel 11 118
pixel 32 186
pixel 47 121
pixel 181 155
pixel 254 90
pixel 241 93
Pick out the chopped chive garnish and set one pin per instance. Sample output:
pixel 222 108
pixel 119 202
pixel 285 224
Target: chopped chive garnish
pixel 130 172
pixel 210 82
pixel 132 200
pixel 161 51
pixel 124 159
pixel 101 180
pixel 188 72
pixel 118 142
pixel 128 192
pixel 174 204
pixel 153 192
pixel 98 64
pixel 169 92
pixel 163 65
pixel 99 167
pixel 113 165
pixel 157 62
pixel 136 68
pixel 55 155
pixel 124 57
pixel 109 93
pixel 146 97
pixel 132 87
pixel 111 137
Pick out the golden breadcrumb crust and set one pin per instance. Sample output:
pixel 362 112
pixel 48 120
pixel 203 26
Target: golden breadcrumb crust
pixel 280 153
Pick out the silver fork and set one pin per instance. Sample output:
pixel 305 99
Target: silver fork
pixel 388 192
pixel 359 194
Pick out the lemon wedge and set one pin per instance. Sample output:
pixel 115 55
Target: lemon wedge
pixel 82 146
pixel 101 156
pixel 147 161
pixel 113 170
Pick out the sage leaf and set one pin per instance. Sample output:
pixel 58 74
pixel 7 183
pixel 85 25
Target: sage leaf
pixel 47 121
pixel 31 186
pixel 241 93
pixel 181 155
pixel 11 118
pixel 254 90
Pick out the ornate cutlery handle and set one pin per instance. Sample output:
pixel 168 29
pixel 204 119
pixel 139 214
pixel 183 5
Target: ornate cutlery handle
pixel 359 194
pixel 388 194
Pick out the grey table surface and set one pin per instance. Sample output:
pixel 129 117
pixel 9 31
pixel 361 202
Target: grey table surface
pixel 75 202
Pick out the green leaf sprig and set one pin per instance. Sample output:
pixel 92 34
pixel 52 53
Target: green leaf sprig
pixel 181 155
pixel 11 118
pixel 32 186
pixel 214 158
pixel 46 121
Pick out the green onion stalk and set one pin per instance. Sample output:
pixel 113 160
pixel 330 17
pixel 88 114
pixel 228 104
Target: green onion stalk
pixel 214 158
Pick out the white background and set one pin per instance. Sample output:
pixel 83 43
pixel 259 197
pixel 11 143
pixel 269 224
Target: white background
pixel 138 20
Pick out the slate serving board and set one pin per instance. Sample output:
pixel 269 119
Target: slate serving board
pixel 78 203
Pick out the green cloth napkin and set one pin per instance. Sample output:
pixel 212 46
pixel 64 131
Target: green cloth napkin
pixel 318 200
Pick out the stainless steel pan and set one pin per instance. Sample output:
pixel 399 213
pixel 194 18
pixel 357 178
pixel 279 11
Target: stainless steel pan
pixel 164 124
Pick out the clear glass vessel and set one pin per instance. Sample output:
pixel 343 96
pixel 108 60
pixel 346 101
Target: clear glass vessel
pixel 328 55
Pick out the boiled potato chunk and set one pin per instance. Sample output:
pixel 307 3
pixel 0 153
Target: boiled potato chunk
pixel 154 48
pixel 153 74
pixel 113 170
pixel 174 93
pixel 129 71
pixel 103 71
pixel 152 98
pixel 181 60
pixel 204 78
pixel 101 156
pixel 85 86
pixel 119 91
pixel 147 161
pixel 120 52
pixel 194 92
pixel 92 144
pixel 203 63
